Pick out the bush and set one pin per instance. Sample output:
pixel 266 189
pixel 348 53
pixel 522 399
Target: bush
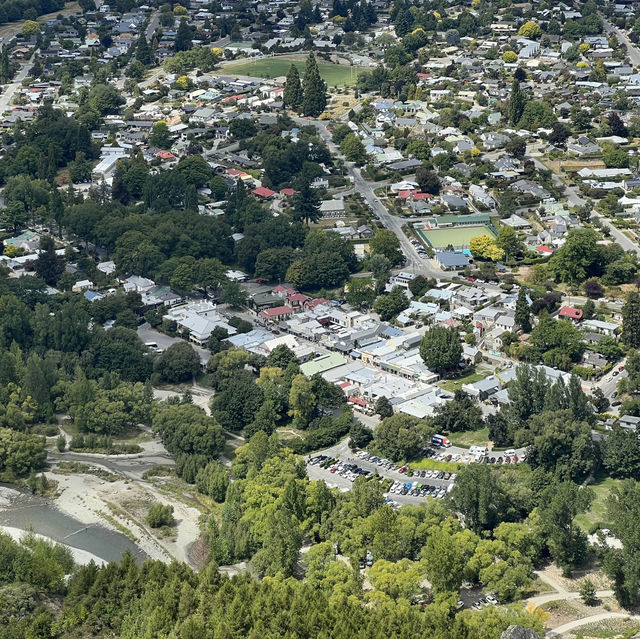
pixel 160 515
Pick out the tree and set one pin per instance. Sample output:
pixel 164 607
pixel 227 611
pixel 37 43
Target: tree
pixel 30 28
pixel 509 57
pixel 573 262
pixel 499 429
pixel 621 455
pixel 599 401
pixel 144 54
pixel 631 320
pixel 517 147
pixel 386 243
pixel 401 437
pixel 523 312
pixel 559 505
pixel 160 135
pixel 380 267
pixel 485 247
pixel 314 87
pixel 617 126
pixel 480 498
pixel 621 565
pixel 353 149
pixel 460 414
pixel 441 349
pixel 391 304
pixel 306 203
pixel 182 40
pixel 293 94
pixel 160 515
pixel 530 29
pixel 427 180
pixel 559 134
pixel 361 291
pixel 179 363
pixel 383 407
pixel 302 401
pixel 213 480
pixel 420 285
pixel 359 436
pixel 593 289
pixel 517 102
pixel 49 266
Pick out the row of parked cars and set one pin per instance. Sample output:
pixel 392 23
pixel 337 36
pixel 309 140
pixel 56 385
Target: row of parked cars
pixel 417 489
pixel 420 250
pixel 508 457
pixel 347 470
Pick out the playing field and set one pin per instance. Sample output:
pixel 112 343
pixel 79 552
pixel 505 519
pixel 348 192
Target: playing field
pixel 457 237
pixel 332 74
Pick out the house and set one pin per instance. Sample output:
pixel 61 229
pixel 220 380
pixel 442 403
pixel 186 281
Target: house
pixel 82 285
pixel 483 388
pixel 276 314
pixel 332 208
pixel 516 222
pixel 451 260
pixel 263 192
pixel 630 422
pixel 598 326
pixel 568 312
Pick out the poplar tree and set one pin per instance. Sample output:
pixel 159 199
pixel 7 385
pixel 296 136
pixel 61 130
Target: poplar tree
pixel 144 55
pixel 315 89
pixel 523 314
pixel 293 89
pixel 631 320
pixel 517 102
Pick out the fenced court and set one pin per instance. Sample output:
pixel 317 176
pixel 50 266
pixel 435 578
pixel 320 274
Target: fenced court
pixel 458 237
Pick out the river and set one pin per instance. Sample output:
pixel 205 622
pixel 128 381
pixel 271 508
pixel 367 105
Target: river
pixel 20 509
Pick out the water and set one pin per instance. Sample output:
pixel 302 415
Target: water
pixel 22 510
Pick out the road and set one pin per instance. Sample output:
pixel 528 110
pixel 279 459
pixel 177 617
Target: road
pixel 414 263
pixel 632 51
pixel 11 89
pixel 574 199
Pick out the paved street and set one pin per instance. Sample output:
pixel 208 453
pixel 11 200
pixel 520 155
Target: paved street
pixel 148 334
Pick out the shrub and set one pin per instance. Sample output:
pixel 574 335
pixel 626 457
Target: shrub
pixel 160 515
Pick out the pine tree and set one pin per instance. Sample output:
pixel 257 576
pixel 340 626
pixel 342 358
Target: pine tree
pixel 523 314
pixel 306 204
pixel 144 54
pixel 631 320
pixel 293 89
pixel 190 198
pixel 517 102
pixel 315 89
pixel 5 71
pixel 183 37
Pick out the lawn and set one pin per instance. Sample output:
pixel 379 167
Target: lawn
pixel 452 385
pixel 598 511
pixel 332 74
pixel 469 438
pixel 456 237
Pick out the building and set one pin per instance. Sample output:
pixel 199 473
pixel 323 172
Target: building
pixel 451 260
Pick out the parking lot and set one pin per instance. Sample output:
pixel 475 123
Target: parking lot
pixel 341 472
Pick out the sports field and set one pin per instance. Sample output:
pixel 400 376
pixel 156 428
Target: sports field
pixel 332 74
pixel 458 237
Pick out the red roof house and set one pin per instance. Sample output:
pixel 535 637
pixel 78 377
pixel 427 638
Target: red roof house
pixel 312 303
pixel 574 314
pixel 165 155
pixel 297 300
pixel 288 192
pixel 276 314
pixel 263 192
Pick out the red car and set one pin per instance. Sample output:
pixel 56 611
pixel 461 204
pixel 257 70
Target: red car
pixel 403 470
pixel 259 280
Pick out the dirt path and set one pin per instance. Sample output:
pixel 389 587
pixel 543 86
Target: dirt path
pixel 572 625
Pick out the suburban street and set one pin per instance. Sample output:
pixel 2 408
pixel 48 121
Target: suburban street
pixel 632 52
pixel 10 89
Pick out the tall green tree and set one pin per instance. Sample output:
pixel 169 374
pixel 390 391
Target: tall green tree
pixel 293 94
pixel 517 102
pixel 523 314
pixel 441 349
pixel 144 54
pixel 182 40
pixel 315 90
pixel 631 320
pixel 306 203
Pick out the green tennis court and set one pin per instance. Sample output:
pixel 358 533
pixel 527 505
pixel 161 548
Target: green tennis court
pixel 458 237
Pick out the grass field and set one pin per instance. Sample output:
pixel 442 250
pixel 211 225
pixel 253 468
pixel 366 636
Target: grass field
pixel 598 511
pixel 468 438
pixel 332 74
pixel 456 237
